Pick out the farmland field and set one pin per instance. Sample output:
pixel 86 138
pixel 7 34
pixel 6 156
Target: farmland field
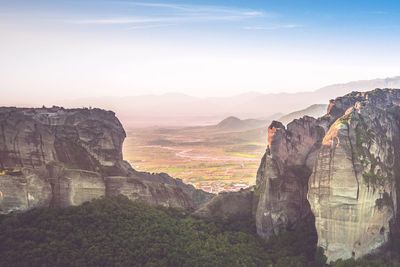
pixel 207 157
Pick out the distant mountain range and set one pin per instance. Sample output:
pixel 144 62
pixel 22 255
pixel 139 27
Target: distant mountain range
pixel 179 109
pixel 174 109
pixel 232 123
pixel 316 111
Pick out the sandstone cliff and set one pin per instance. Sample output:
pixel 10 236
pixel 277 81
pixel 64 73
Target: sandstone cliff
pixel 282 178
pixel 61 157
pixel 346 163
pixel 353 189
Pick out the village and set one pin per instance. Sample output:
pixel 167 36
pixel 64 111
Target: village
pixel 217 187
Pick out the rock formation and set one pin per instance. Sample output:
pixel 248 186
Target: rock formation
pixel 228 206
pixel 278 202
pixel 60 157
pixel 352 190
pixel 282 178
pixel 346 163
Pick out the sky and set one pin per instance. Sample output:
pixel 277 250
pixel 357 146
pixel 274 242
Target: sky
pixel 79 48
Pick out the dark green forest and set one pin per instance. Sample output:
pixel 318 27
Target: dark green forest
pixel 119 232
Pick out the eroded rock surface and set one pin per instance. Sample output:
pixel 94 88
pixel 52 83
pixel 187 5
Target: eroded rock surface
pixel 62 157
pixel 352 190
pixel 346 163
pixel 282 178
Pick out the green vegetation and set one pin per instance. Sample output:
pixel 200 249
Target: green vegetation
pixel 361 138
pixel 344 120
pixel 119 232
pixel 374 179
pixel 377 173
pixel 320 259
pixel 368 261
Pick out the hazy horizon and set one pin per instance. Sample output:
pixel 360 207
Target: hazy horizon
pixel 69 99
pixel 77 49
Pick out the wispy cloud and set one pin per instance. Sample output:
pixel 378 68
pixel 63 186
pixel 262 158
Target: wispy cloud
pixel 142 15
pixel 150 19
pixel 273 27
pixel 149 26
pixel 204 9
pixel 173 13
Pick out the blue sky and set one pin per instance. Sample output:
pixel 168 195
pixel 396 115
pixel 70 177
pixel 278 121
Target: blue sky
pixel 121 47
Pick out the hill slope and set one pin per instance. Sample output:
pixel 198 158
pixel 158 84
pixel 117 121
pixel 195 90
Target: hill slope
pixel 119 232
pixel 236 124
pixel 316 111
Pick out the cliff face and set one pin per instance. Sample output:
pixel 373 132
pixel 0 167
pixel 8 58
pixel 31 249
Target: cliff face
pixel 346 163
pixel 353 191
pixel 59 157
pixel 80 139
pixel 282 178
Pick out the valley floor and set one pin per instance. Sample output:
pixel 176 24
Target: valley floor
pixel 209 158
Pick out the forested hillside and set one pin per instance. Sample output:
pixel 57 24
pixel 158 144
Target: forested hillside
pixel 119 232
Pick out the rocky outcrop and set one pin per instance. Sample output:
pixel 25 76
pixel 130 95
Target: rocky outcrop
pixel 228 206
pixel 346 164
pixel 279 200
pixel 353 191
pixel 61 157
pixel 282 178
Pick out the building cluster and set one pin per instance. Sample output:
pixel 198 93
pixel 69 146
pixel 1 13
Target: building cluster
pixel 217 187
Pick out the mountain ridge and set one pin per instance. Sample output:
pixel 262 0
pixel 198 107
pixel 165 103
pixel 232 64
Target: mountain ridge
pixel 179 109
pixel 315 110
